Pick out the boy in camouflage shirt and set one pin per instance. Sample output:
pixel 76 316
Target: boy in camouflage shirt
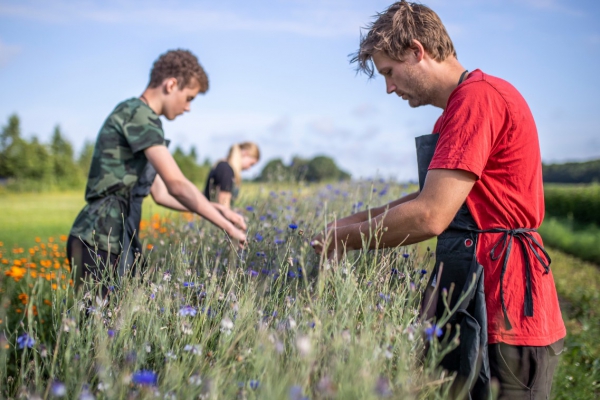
pixel 130 161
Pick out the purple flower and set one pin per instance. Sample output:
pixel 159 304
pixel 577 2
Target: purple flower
pixel 252 273
pixel 433 330
pixel 25 341
pixel 254 384
pixel 394 271
pixel 296 393
pixel 188 284
pixel 262 217
pixel 385 297
pixel 58 389
pixel 279 241
pixel 258 237
pixel 111 333
pixel 293 226
pixel 145 377
pixel 187 311
pixel 291 274
pixel 311 324
pixel 250 208
pixel 405 255
pixel 423 271
pixel 260 254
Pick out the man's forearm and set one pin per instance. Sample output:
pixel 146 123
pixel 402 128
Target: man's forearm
pixel 373 212
pixel 405 224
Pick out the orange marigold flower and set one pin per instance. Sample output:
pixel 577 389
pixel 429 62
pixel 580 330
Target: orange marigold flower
pixel 47 302
pixel 54 286
pixel 31 251
pixel 24 298
pixel 33 274
pixel 149 246
pixel 16 272
pixel 1 244
pixel 17 262
pixel 38 239
pixel 51 239
pixel 4 261
pixel 63 238
pixel 19 311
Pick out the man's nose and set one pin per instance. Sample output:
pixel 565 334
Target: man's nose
pixel 390 87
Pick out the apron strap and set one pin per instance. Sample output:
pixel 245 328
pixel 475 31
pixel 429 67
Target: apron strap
pixel 528 244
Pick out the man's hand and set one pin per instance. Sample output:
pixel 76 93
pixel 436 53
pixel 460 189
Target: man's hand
pixel 330 245
pixel 238 236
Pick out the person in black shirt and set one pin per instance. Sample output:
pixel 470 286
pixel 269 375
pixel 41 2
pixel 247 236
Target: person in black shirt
pixel 224 179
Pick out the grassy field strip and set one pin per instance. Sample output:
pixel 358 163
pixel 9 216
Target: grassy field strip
pixel 578 286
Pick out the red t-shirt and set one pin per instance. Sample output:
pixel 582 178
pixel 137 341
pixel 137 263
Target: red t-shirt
pixel 488 129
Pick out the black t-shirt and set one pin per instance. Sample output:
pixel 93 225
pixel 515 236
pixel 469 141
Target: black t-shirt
pixel 220 178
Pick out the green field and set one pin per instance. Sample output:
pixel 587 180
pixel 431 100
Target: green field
pixel 347 335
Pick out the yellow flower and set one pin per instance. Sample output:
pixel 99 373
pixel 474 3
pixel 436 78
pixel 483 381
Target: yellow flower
pixel 16 272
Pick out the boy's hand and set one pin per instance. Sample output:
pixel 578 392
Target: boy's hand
pixel 234 218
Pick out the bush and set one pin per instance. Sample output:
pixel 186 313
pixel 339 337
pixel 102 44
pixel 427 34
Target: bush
pixel 580 202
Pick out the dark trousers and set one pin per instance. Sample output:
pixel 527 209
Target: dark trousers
pixel 524 372
pixel 90 264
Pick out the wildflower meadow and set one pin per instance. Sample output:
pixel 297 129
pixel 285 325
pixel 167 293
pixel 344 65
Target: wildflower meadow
pixel 204 319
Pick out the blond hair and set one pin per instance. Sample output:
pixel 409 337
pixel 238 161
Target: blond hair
pixel 234 158
pixel 394 31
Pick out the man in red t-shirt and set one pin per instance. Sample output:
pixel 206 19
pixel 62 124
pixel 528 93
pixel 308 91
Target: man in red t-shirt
pixel 482 196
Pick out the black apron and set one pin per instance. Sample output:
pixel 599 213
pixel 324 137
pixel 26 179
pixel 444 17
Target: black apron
pixel 456 266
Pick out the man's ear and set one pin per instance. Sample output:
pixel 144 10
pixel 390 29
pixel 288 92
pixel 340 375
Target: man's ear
pixel 169 85
pixel 417 50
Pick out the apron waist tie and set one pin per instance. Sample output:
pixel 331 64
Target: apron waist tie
pixel 504 245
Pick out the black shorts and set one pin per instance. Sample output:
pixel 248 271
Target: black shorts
pixel 90 264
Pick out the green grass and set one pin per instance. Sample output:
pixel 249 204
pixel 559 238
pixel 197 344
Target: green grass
pixel 358 339
pixel 573 238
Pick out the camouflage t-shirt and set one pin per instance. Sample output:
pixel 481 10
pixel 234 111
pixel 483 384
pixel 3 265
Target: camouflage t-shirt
pixel 117 164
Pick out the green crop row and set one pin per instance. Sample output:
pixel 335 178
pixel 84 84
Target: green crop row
pixel 579 202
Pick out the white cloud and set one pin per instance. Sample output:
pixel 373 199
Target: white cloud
pixel 305 21
pixel 364 110
pixel 8 52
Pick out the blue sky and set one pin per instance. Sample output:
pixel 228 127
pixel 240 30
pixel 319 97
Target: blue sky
pixel 280 76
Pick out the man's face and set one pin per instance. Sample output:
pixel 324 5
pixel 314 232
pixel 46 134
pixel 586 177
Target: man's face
pixel 405 78
pixel 178 100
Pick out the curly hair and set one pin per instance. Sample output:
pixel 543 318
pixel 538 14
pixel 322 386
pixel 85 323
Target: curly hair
pixel 180 64
pixel 395 29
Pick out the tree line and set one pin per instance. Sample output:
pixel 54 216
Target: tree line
pixel 572 172
pixel 30 164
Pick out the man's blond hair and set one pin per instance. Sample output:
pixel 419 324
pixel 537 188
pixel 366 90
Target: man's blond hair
pixel 395 29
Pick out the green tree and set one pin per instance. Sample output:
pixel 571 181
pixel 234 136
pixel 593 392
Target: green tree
pixel 274 171
pixel 64 167
pixel 323 168
pixel 85 158
pixel 11 148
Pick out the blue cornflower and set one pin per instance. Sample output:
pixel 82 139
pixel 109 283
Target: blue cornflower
pixel 262 217
pixel 423 271
pixel 296 393
pixel 25 341
pixel 433 330
pixel 291 274
pixel 188 284
pixel 405 255
pixel 254 384
pixel 111 333
pixel 187 311
pixel 152 296
pixel 250 208
pixel 293 226
pixel 311 324
pixel 252 273
pixel 145 377
pixel 394 271
pixel 374 190
pixel 384 296
pixel 265 271
pixel 260 254
pixel 383 192
pixel 58 389
pixel 279 241
pixel 258 237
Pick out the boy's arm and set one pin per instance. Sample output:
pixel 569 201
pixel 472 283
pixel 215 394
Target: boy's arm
pixel 161 196
pixel 188 195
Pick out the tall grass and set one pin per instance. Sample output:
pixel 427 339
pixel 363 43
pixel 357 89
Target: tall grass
pixel 205 320
pixel 582 241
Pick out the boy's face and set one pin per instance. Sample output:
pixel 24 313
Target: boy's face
pixel 177 101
